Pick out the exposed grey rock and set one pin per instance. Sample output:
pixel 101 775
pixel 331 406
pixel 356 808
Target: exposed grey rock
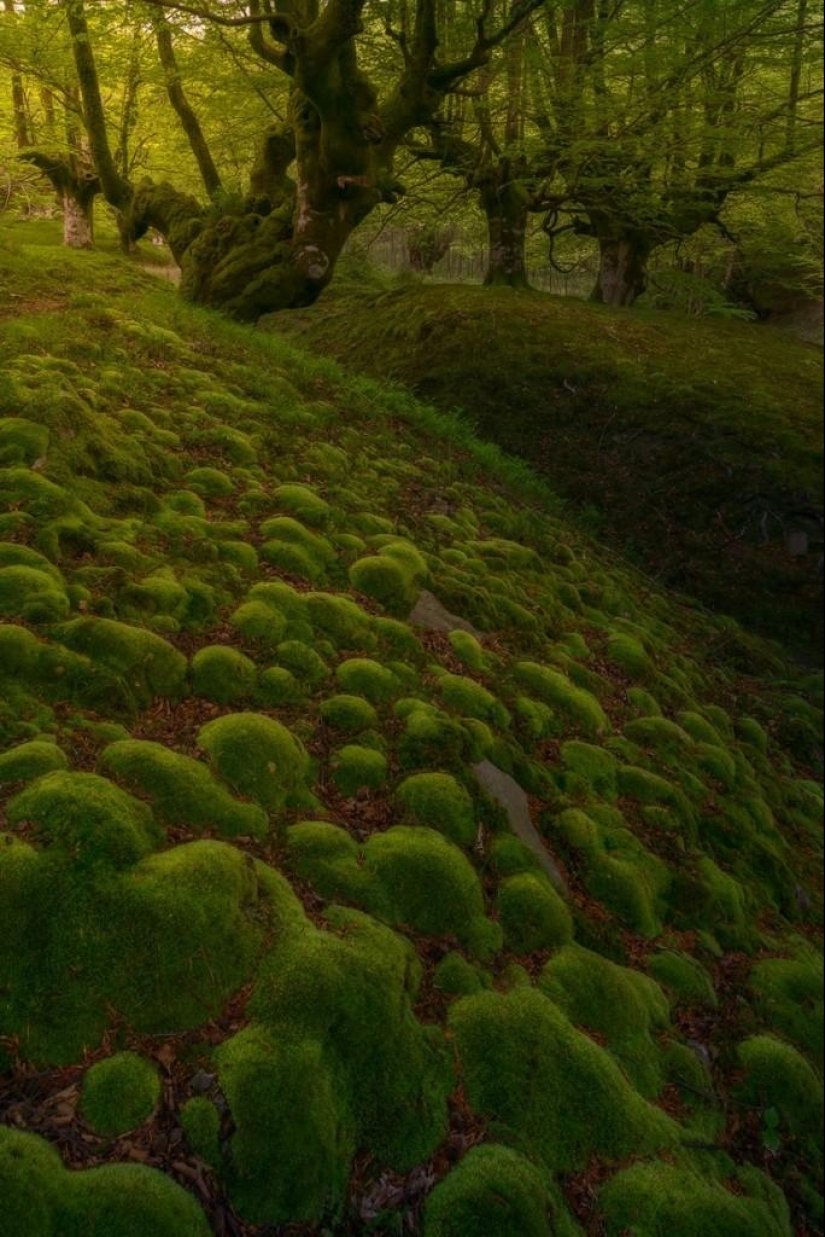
pixel 516 804
pixel 432 615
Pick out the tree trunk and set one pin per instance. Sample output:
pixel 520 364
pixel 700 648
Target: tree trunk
pixel 623 262
pixel 78 221
pixel 507 216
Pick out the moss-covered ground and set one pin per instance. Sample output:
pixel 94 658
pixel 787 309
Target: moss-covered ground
pixel 694 447
pixel 271 958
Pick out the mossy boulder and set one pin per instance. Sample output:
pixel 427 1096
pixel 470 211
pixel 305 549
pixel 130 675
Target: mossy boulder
pixel 556 690
pixel 182 791
pixel 258 757
pixel 428 883
pixel 41 1198
pixel 431 738
pixel 30 594
pixel 279 688
pixel 304 503
pixel 119 1094
pixel 595 770
pixel 294 1135
pixel 618 870
pixel 349 714
pixel 260 623
pixel 22 442
pixel 628 1008
pixel 288 544
pixel 529 1070
pixel 494 1191
pixel 356 768
pixel 351 989
pixel 223 675
pixel 790 995
pixel 390 581
pixel 660 1200
pixel 361 676
pixel 440 802
pixel 470 699
pixel 303 661
pixel 149 666
pixel 778 1077
pixel 533 915
pixel 163 946
pixel 30 761
pixel 87 818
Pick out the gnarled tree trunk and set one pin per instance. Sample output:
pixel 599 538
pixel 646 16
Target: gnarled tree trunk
pixel 623 269
pixel 78 219
pixel 507 210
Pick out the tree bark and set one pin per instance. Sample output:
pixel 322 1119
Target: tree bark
pixel 507 212
pixel 623 269
pixel 78 221
pixel 186 113
pixel 22 129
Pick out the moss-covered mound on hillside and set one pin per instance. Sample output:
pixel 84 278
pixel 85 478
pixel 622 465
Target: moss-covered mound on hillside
pixel 698 446
pixel 40 1197
pixel 366 834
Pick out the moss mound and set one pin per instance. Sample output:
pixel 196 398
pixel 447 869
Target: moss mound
pixel 182 791
pixel 256 756
pixel 41 1198
pixel 658 1200
pixel 259 618
pixel 493 1191
pixel 119 1094
pixel 440 802
pixel 532 1073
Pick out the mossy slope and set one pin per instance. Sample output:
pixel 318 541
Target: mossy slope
pixel 242 827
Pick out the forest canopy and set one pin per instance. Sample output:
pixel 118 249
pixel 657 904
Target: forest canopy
pixel 257 137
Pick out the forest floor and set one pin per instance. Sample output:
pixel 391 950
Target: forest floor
pixel 278 643
pixel 694 447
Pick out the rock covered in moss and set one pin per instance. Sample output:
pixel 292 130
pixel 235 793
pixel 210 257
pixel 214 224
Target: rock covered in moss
pixel 778 1077
pixel 659 1200
pixel 30 761
pixel 30 594
pixel 528 1069
pixel 356 768
pixel 533 915
pixel 88 818
pixel 182 791
pixel 337 1034
pixel 256 756
pixel 259 622
pixel 223 675
pixel 22 442
pixel 390 580
pixel 41 1198
pixel 439 801
pixel 149 665
pixel 557 691
pixel 625 1006
pixel 119 1094
pixel 494 1191
pixel 349 714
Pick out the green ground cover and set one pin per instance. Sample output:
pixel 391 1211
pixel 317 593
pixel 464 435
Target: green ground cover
pixel 263 931
pixel 693 446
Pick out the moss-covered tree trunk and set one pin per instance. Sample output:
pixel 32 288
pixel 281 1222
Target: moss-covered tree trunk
pixel 507 211
pixel 623 268
pixel 279 251
pixel 78 219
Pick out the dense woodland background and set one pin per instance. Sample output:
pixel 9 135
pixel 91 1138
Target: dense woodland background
pixel 669 149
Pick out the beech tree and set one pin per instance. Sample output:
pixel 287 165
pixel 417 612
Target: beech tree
pixel 655 113
pixel 318 175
